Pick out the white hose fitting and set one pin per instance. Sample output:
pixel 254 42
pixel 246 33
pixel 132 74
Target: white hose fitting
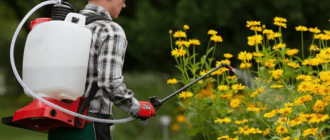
pixel 59 1
pixel 12 61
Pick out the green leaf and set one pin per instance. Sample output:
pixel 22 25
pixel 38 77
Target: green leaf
pixel 191 57
pixel 203 59
pixel 181 104
pixel 185 62
pixel 193 131
pixel 322 128
pixel 296 133
pixel 208 51
pixel 276 138
pixel 179 68
pixel 298 58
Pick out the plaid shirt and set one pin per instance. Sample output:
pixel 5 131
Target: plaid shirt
pixel 105 65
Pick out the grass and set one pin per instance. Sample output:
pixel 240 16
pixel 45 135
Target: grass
pixel 144 85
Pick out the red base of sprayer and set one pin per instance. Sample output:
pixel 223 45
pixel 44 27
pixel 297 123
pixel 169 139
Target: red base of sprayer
pixel 40 117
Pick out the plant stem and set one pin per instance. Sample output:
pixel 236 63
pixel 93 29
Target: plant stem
pixel 194 61
pixel 302 45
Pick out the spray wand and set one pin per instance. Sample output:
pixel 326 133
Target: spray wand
pixel 158 102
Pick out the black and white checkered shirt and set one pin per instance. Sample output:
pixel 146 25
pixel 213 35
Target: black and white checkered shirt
pixel 105 65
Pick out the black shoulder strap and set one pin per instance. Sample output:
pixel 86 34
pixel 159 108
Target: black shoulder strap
pixel 93 17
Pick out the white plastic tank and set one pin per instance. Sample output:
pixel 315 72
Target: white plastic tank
pixel 56 58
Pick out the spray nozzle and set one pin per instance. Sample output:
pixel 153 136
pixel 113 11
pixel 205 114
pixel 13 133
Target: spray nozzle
pixel 226 65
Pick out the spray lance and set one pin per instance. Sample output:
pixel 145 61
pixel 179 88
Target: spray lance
pixel 158 102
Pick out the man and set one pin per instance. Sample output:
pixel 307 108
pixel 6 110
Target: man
pixel 106 61
pixel 105 67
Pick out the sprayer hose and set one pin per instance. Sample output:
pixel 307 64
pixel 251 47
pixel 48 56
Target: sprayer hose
pixel 29 91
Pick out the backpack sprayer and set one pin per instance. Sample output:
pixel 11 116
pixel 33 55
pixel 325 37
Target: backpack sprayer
pixel 55 76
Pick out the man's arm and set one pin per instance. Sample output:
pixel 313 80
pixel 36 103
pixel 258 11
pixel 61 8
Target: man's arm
pixel 110 79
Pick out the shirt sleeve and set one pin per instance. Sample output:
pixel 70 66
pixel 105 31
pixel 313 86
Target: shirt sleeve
pixel 110 78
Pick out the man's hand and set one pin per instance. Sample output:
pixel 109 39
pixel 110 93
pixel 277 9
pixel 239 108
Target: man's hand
pixel 146 110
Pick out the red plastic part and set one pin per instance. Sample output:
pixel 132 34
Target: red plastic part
pixel 38 21
pixel 231 68
pixel 43 118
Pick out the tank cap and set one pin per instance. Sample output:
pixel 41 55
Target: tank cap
pixel 38 21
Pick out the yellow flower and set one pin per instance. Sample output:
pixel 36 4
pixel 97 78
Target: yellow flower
pixel 288 104
pixel 194 42
pixel 317 118
pixel 255 39
pixel 179 43
pixel 292 52
pixel 266 132
pixel 270 63
pixel 244 56
pixel 231 77
pixel 273 36
pixel 314 30
pixel 235 103
pixel 252 23
pixel 212 32
pixel 257 92
pixel 277 73
pixel 203 72
pixel 179 34
pixel 276 86
pixel 245 130
pixel 170 31
pixel 185 94
pixel 293 65
pixel 178 52
pixel 245 65
pixel 185 27
pixel 280 24
pixel 285 111
pixel 286 138
pixel 305 87
pixel 223 61
pixel 326 32
pixel 310 131
pixel 280 19
pixel 180 118
pixel 280 45
pixel 297 121
pixel 303 99
pixel 319 106
pixel 256 28
pixel 324 53
pixel 241 122
pixel 225 120
pixel 257 54
pixel 268 31
pixel 301 28
pixel 314 48
pixel 216 38
pixel 255 130
pixel 175 127
pixel 324 75
pixel 228 55
pixel 223 87
pixel 223 137
pixel 281 129
pixel 237 87
pixel 270 114
pixel 172 81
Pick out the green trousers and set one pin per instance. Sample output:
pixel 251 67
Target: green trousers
pixel 91 131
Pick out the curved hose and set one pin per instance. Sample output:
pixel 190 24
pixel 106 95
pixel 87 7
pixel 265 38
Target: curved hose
pixel 12 61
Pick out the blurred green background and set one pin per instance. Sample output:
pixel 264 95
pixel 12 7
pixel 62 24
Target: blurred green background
pixel 148 62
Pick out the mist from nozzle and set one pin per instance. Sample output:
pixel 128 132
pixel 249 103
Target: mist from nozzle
pixel 243 77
